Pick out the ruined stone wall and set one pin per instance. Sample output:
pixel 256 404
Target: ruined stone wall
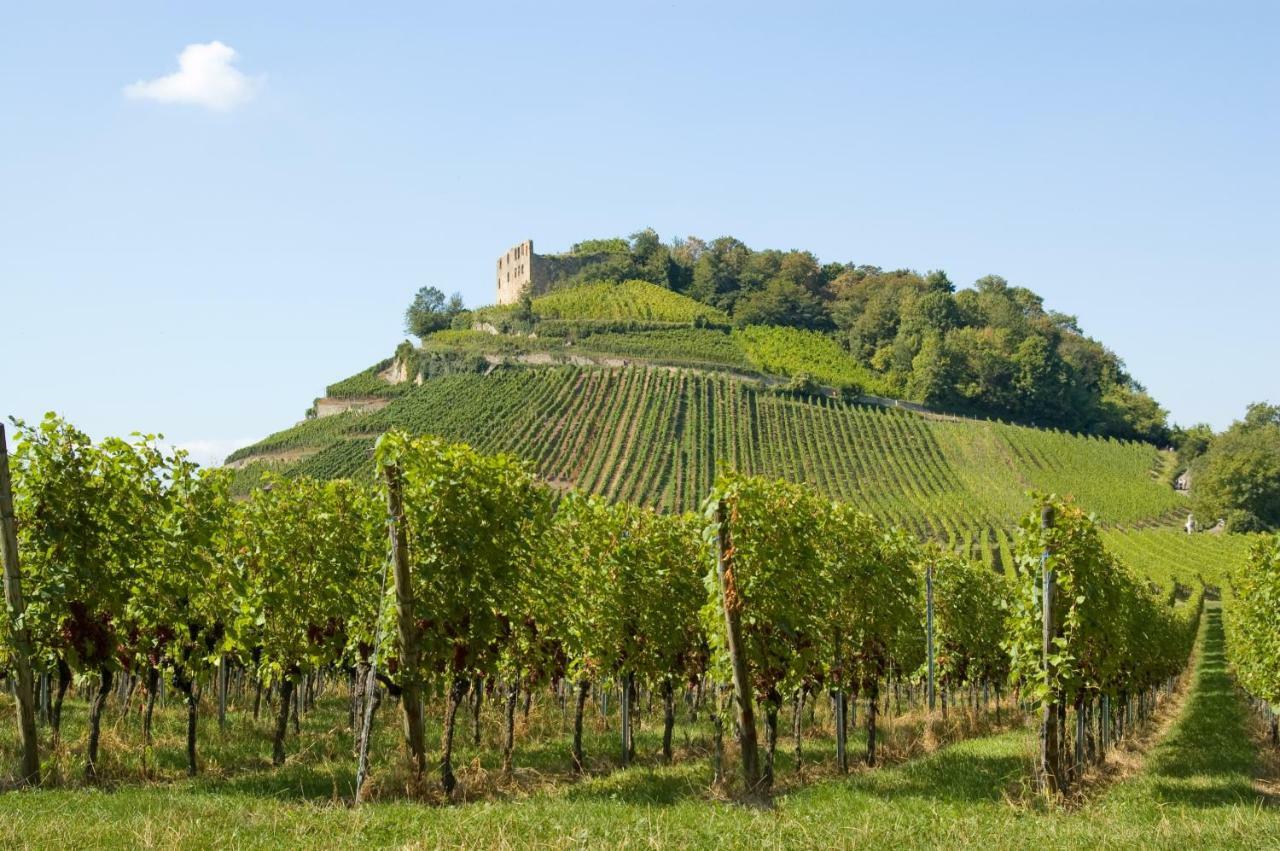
pixel 520 270
pixel 515 272
pixel 329 406
pixel 550 268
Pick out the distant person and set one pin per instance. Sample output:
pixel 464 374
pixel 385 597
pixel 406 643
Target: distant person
pixel 1191 523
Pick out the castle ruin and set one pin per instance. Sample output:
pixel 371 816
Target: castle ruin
pixel 521 271
pixel 515 273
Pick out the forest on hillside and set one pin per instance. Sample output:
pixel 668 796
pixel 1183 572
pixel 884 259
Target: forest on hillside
pixel 992 349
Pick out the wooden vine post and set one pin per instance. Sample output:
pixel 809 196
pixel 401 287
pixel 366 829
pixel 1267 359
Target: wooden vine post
pixel 411 695
pixel 223 685
pixel 1052 777
pixel 16 606
pixel 928 618
pixel 838 699
pixel 369 699
pixel 625 711
pixel 732 604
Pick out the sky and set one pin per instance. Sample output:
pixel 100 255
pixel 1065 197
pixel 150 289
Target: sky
pixel 208 212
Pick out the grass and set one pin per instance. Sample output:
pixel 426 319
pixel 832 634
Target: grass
pixel 1194 789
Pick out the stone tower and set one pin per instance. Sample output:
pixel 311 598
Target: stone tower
pixel 515 272
pixel 521 271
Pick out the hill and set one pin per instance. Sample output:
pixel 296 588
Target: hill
pixel 992 349
pixel 639 393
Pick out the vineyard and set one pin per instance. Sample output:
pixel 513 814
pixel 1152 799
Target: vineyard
pixel 776 639
pixel 627 301
pixel 694 347
pixel 636 557
pixel 1253 629
pixel 790 351
pixel 659 437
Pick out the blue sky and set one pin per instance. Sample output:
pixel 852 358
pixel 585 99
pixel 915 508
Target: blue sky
pixel 201 256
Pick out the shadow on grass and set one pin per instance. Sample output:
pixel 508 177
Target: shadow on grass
pixel 957 774
pixel 1208 758
pixel 287 783
pixel 962 773
pixel 320 765
pixel 641 785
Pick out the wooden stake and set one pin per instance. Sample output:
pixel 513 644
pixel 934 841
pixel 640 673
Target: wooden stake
pixel 928 617
pixel 1051 773
pixel 29 768
pixel 410 697
pixel 732 605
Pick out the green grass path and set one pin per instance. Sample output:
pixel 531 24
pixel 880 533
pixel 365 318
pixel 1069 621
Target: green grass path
pixel 1193 791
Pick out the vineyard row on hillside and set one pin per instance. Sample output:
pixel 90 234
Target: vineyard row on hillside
pixel 1252 625
pixel 659 437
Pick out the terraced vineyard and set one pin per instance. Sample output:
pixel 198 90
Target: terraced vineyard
pixel 657 436
pixel 1164 555
pixel 1170 555
pixel 629 300
pixel 679 346
pixel 791 351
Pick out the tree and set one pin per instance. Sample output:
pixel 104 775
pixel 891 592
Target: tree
pixel 608 245
pixel 1238 476
pixel 938 282
pixel 932 311
pixel 718 272
pixel 985 374
pixel 1038 380
pixel 781 302
pixel 523 312
pixel 653 261
pixel 430 312
pixel 1129 411
pixel 933 373
pixel 874 327
pixel 684 256
pixel 1191 443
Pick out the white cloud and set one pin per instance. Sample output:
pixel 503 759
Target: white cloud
pixel 205 77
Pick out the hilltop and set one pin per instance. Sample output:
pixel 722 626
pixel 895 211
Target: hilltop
pixel 992 349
